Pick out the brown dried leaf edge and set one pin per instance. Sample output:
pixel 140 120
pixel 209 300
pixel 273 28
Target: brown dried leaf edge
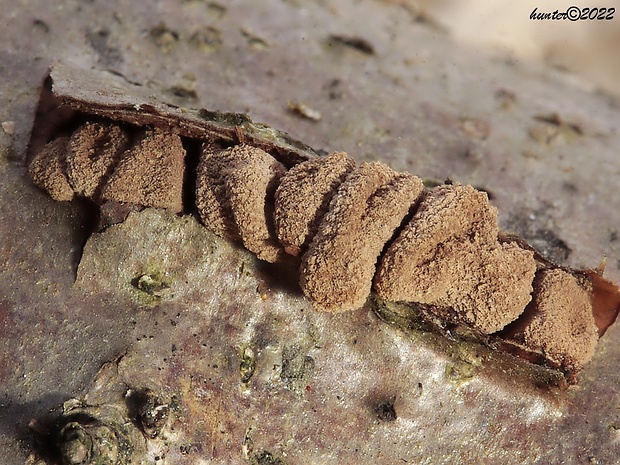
pixel 352 230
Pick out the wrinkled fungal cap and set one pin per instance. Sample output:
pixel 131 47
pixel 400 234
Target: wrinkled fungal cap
pixel 337 269
pixel 212 202
pixel 559 321
pixel 484 286
pixel 48 170
pixel 303 197
pixel 449 256
pixel 235 192
pixel 150 173
pixel 94 149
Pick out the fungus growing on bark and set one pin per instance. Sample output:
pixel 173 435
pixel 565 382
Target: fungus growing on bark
pixel 449 257
pixel 48 170
pixel 559 322
pixel 303 198
pixel 150 173
pixel 449 262
pixel 234 196
pixel 337 269
pixel 93 151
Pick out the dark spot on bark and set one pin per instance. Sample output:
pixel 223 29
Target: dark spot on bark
pixel 334 90
pixel 254 41
pixel 207 39
pixel 356 43
pixel 385 411
pixel 183 92
pixel 265 458
pixel 164 37
pixel 100 41
pixel 554 119
pixel 148 411
pixel 40 26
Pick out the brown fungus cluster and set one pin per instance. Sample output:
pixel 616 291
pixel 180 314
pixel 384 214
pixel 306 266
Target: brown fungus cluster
pixel 449 256
pixel 94 149
pixel 364 213
pixel 234 196
pixel 48 170
pixel 352 229
pixel 559 321
pixel 105 163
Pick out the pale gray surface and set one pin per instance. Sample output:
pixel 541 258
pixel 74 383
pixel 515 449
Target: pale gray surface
pixel 421 104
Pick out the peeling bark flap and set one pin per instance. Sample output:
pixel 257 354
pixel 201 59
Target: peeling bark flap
pixel 112 96
pixel 605 301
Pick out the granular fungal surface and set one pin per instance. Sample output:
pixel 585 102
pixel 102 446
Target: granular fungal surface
pixel 449 256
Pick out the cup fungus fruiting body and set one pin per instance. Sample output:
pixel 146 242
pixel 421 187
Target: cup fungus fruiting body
pixel 449 256
pixel 353 229
pixel 93 150
pixel 150 173
pixel 367 208
pixel 98 162
pixel 235 191
pixel 559 321
pixel 303 198
pixel 48 170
